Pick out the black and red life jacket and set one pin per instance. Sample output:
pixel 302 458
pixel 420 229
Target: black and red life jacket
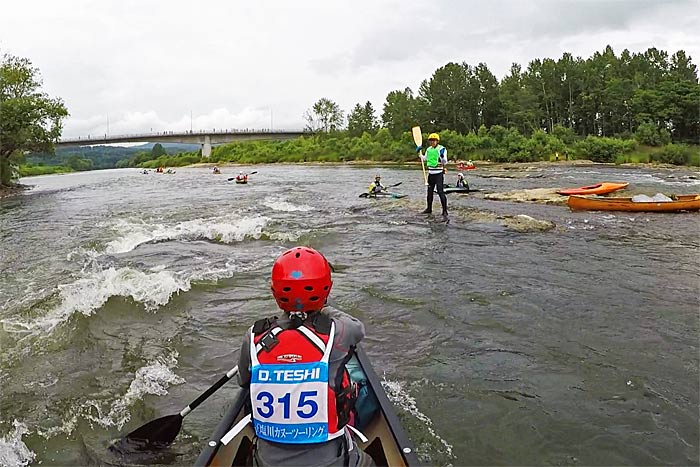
pixel 305 342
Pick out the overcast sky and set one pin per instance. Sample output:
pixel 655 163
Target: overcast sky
pixel 130 66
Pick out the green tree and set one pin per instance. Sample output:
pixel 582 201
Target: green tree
pixel 490 108
pixel 565 134
pixel 325 115
pixel 30 120
pixel 400 112
pixel 451 98
pixel 158 151
pixel 649 134
pixel 519 102
pixel 77 163
pixel 362 119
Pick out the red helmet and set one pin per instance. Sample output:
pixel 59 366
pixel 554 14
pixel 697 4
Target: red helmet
pixel 301 280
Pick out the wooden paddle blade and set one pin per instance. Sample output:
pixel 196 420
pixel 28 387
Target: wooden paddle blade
pixel 154 435
pixel 417 136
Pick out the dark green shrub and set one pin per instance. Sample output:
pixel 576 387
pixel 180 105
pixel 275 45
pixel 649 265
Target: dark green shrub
pixel 677 154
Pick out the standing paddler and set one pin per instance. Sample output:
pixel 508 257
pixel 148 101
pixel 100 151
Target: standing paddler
pixel 435 158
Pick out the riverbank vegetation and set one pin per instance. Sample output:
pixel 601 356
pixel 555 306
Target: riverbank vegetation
pixel 496 144
pixel 635 107
pixel 30 170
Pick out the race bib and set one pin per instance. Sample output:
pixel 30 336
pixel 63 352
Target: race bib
pixel 290 402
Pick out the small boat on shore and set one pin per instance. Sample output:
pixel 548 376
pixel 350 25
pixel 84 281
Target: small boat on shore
pixel 462 189
pixel 383 194
pixel 596 189
pixel 386 443
pixel 676 204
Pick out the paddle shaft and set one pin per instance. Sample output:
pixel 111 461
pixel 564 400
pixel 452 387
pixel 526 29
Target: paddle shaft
pixel 418 139
pixel 205 395
pixel 162 431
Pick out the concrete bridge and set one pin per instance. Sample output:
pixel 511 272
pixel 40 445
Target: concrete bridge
pixel 205 138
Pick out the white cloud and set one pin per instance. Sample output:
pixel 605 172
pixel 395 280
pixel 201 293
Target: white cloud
pixel 230 63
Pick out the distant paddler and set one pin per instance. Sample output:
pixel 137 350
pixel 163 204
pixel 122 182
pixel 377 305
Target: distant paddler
pixel 377 189
pixel 461 181
pixel 241 178
pixel 376 186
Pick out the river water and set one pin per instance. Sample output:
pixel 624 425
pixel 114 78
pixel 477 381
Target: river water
pixel 123 296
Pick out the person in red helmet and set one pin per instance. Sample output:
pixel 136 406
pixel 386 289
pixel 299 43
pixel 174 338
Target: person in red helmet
pixel 301 394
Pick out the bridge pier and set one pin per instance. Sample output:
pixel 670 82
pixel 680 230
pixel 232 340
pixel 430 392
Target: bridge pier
pixel 206 146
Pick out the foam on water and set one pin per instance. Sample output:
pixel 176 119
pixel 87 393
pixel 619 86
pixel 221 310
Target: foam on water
pixel 152 289
pixel 399 396
pixel 89 293
pixel 226 229
pixel 281 204
pixel 154 378
pixel 13 452
pixel 70 421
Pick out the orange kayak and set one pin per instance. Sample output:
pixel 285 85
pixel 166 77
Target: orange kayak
pixel 597 189
pixel 464 166
pixel 678 203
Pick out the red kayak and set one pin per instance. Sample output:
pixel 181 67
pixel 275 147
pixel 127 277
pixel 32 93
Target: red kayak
pixel 463 166
pixel 597 189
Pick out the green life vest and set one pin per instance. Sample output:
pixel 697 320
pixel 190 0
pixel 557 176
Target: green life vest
pixel 432 156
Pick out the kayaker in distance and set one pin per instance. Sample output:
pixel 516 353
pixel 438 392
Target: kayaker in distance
pixel 300 390
pixel 461 181
pixel 435 158
pixel 376 186
pixel 216 170
pixel 241 177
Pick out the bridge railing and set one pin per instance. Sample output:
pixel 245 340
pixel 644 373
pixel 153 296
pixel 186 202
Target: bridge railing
pixel 214 131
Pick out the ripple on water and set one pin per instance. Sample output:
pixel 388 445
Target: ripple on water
pixel 512 347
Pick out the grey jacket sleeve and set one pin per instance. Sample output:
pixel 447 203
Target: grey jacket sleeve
pixel 349 330
pixel 244 361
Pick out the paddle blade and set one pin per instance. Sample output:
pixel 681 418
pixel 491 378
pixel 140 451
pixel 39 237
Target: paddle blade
pixel 364 195
pixel 152 436
pixel 417 136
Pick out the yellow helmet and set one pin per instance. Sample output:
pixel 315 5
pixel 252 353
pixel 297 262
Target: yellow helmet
pixel 434 136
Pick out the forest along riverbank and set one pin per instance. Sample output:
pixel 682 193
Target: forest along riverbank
pixel 569 339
